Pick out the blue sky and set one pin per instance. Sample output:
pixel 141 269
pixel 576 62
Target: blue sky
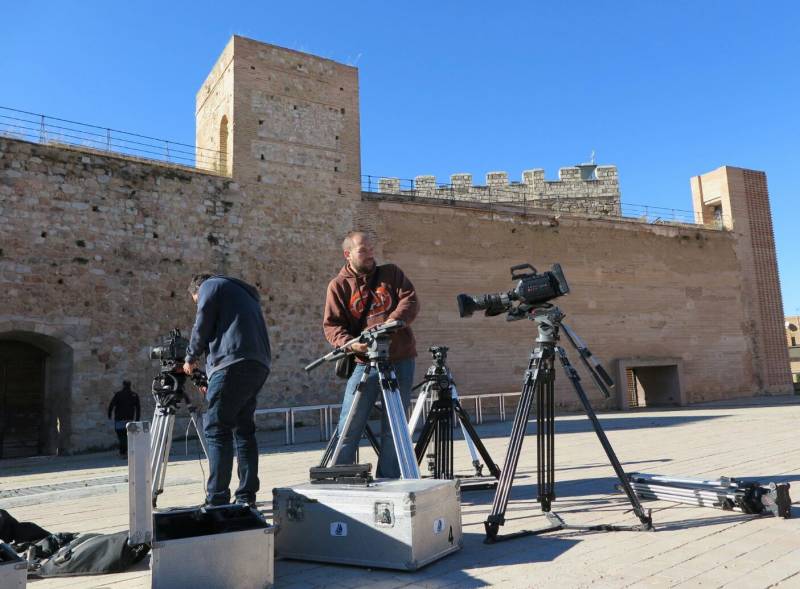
pixel 664 90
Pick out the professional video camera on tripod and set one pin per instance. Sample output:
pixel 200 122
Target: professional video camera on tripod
pixel 532 295
pixel 168 392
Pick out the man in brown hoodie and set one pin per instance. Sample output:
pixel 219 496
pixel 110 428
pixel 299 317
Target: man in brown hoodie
pixel 393 297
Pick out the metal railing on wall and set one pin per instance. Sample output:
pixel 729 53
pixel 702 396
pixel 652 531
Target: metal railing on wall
pixel 39 128
pixel 326 413
pixel 518 196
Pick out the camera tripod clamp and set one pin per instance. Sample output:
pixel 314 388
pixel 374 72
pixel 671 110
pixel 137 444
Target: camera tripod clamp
pixel 375 337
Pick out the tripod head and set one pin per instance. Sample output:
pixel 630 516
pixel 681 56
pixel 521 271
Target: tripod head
pixel 376 337
pixel 438 373
pixel 167 387
pixel 439 354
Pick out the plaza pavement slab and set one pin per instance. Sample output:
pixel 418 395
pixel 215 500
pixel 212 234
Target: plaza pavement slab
pixel 691 547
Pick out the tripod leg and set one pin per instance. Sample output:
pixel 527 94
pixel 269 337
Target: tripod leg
pixel 348 423
pixel 467 437
pixel 572 374
pixel 540 358
pixel 419 407
pixel 426 433
pixel 393 406
pixel 373 439
pixel 545 441
pixel 200 434
pixel 472 438
pixel 326 456
pixel 164 444
pixel 443 439
pixel 156 438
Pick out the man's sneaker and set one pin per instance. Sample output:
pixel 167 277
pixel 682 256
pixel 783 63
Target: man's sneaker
pixel 251 503
pixel 209 504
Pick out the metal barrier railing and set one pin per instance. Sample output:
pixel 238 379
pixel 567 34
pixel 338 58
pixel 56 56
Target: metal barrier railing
pixel 520 197
pixel 39 128
pixel 327 426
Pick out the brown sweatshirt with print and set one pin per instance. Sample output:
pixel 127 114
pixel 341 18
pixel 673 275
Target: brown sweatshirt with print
pixel 394 297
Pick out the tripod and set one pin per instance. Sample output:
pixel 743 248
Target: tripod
pixel 377 339
pixel 168 391
pixel 724 493
pixel 539 382
pixel 445 409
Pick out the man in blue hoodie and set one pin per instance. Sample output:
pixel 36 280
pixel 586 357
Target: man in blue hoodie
pixel 229 329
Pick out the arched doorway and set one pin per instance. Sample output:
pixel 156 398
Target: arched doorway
pixel 22 382
pixel 35 394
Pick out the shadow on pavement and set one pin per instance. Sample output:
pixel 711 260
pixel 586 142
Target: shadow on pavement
pixel 450 571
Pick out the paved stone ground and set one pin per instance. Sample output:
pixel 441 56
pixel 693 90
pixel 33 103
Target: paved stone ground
pixel 692 547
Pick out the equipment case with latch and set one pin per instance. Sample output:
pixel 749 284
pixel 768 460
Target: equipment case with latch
pixel 13 569
pixel 395 524
pixel 225 547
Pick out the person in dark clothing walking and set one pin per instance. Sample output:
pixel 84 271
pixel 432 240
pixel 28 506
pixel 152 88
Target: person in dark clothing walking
pixel 124 407
pixel 229 329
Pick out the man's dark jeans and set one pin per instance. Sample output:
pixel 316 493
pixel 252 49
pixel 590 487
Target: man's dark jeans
pixel 122 436
pixel 231 396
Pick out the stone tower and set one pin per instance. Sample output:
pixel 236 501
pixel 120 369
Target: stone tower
pixel 737 200
pixel 280 118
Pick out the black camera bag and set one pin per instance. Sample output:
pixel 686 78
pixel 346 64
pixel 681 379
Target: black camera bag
pixel 92 554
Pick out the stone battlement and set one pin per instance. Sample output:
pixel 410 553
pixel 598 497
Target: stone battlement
pixel 582 188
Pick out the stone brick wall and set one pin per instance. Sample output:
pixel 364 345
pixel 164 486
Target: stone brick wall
pixel 97 251
pixel 638 291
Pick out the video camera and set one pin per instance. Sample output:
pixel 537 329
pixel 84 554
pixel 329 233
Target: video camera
pixel 532 290
pixel 171 353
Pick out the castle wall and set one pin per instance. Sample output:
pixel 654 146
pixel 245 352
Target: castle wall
pixel 638 291
pixel 97 251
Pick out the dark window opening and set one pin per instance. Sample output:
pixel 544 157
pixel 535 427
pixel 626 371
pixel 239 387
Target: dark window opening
pixel 653 386
pixel 22 393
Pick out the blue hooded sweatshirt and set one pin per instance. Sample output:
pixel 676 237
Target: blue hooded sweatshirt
pixel 229 326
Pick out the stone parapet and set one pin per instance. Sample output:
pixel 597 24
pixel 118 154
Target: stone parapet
pixel 585 188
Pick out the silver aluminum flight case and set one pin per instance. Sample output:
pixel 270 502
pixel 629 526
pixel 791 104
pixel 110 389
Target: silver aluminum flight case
pixel 219 558
pixel 13 569
pixel 226 547
pixel 394 524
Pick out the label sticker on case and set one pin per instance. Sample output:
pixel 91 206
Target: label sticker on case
pixel 338 529
pixel 438 525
